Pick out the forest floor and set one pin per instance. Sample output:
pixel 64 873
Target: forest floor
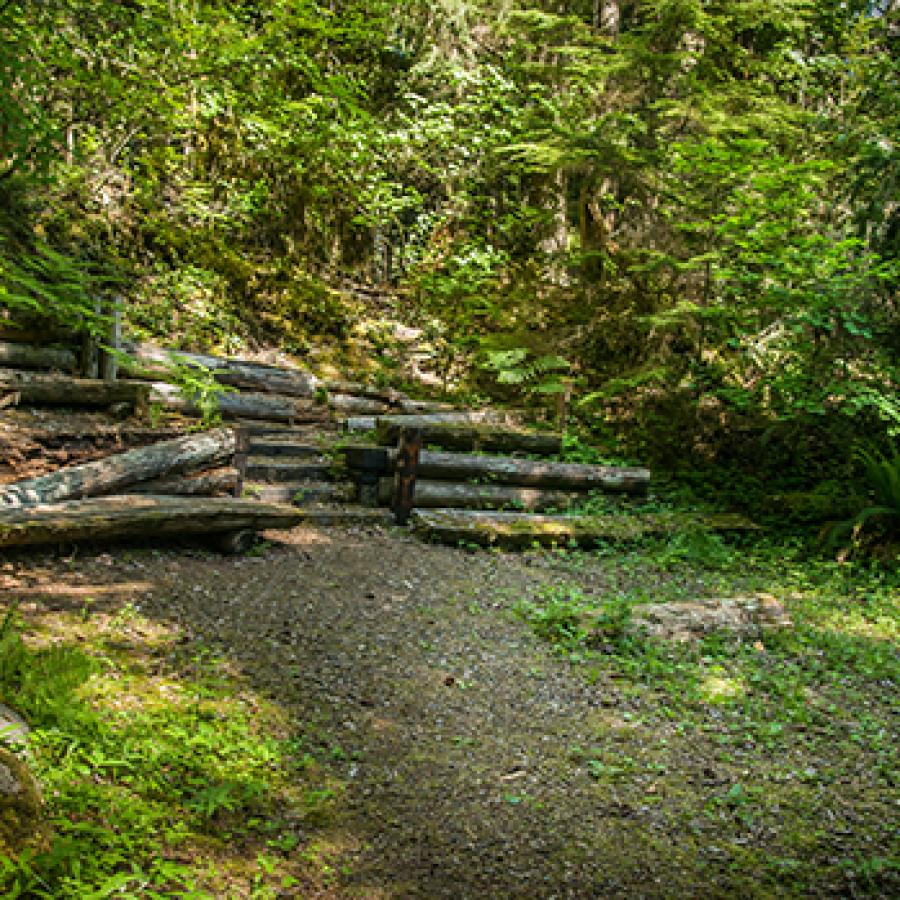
pixel 352 713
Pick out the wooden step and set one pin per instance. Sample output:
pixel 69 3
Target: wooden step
pixel 276 469
pixel 448 466
pixel 301 493
pixel 345 516
pixel 118 517
pixel 513 530
pixel 451 436
pixel 285 449
pixel 455 495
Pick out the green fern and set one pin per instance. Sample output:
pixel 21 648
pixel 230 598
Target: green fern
pixel 882 474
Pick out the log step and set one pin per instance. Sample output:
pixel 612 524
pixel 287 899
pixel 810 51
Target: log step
pixel 275 447
pixel 302 493
pixel 515 531
pixel 453 436
pixel 345 516
pixel 276 469
pixel 117 517
pixel 445 466
pixel 449 494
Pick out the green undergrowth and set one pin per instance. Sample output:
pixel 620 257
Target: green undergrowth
pixel 163 775
pixel 778 749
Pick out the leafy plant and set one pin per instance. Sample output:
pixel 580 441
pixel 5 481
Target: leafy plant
pixel 882 476
pixel 197 384
pixel 557 616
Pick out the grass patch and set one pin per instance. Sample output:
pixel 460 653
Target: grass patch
pixel 163 776
pixel 779 753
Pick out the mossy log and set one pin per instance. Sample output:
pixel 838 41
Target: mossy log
pixel 454 495
pixel 222 482
pixel 112 518
pixel 22 826
pixel 462 436
pixel 267 407
pixel 29 356
pixel 63 390
pixel 108 475
pixel 532 473
pixel 514 530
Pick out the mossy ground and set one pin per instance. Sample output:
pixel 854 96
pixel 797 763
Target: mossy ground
pixel 357 714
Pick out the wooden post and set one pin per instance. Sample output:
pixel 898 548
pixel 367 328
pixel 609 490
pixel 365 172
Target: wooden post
pixel 109 364
pixel 242 450
pixel 408 450
pixel 90 353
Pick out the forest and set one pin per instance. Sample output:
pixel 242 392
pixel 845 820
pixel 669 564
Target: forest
pixel 664 233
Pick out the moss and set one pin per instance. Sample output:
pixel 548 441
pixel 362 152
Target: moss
pixel 21 824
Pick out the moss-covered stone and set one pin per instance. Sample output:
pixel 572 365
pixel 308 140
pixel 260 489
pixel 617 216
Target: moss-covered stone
pixel 21 823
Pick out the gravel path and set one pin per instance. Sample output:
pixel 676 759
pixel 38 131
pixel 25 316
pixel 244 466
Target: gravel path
pixel 455 729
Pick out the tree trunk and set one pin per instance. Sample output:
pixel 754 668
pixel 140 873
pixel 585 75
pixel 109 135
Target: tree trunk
pixel 114 518
pixel 62 390
pixel 105 476
pixel 27 356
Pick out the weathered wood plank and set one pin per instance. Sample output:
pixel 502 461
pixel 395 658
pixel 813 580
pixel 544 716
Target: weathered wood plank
pixel 105 476
pixel 513 530
pixel 117 517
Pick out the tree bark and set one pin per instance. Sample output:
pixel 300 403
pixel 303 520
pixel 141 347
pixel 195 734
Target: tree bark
pixel 28 356
pixel 105 476
pixel 113 518
pixel 62 390
pixel 356 406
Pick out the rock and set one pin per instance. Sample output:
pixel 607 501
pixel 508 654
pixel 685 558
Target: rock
pixel 691 620
pixel 13 728
pixel 21 823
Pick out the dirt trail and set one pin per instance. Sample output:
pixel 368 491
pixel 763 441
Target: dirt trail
pixel 458 738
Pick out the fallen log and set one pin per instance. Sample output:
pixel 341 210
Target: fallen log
pixel 356 389
pixel 468 436
pixel 214 483
pixel 63 390
pixel 113 518
pixel 111 474
pixel 28 356
pixel 234 405
pixel 357 406
pixel 515 531
pixel 154 363
pixel 532 473
pixel 452 495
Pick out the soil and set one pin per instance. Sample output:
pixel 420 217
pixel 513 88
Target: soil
pixel 455 734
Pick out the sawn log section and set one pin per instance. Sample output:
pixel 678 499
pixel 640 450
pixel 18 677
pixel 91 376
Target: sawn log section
pixel 111 474
pixel 112 518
